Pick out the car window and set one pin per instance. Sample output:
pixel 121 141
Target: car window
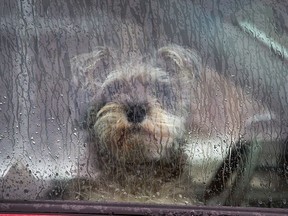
pixel 163 102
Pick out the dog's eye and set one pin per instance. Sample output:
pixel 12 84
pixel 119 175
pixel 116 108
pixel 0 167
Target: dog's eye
pixel 114 88
pixel 166 95
pixel 163 90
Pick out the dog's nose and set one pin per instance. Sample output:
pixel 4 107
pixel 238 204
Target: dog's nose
pixel 136 113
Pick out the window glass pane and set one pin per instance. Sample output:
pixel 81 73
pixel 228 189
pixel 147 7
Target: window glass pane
pixel 170 102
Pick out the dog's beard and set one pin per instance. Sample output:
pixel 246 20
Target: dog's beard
pixel 154 138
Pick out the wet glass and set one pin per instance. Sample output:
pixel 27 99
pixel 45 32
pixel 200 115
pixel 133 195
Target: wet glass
pixel 166 102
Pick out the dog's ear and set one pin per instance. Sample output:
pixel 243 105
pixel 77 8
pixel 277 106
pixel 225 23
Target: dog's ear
pixel 180 61
pixel 90 69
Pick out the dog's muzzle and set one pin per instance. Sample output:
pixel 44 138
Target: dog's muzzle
pixel 136 132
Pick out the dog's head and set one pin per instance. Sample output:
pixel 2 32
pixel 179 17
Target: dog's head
pixel 138 107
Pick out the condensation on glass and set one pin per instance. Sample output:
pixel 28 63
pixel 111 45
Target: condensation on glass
pixel 181 102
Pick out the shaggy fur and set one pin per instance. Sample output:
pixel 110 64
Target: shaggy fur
pixel 143 112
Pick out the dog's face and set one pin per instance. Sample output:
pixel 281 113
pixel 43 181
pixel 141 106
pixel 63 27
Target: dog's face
pixel 138 109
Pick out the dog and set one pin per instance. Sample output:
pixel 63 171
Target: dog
pixel 142 112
